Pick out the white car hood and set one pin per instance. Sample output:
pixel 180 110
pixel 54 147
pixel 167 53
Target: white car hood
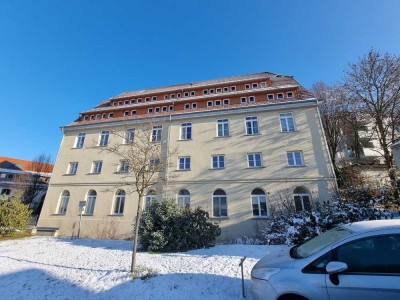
pixel 277 259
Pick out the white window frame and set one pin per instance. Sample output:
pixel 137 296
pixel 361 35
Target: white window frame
pixel 205 92
pixel 184 163
pixel 72 168
pixel 90 202
pixel 186 94
pixel 222 128
pixel 251 125
pixel 289 95
pixel 80 140
pixel 252 157
pixel 150 198
pixel 233 88
pixel 254 85
pixel 194 105
pixel 279 97
pixel 150 110
pixel 123 166
pixel 104 138
pixel 97 165
pixel 209 103
pixel 226 101
pixel 219 204
pixel 243 99
pixel 252 99
pixel 218 90
pixel 247 86
pixel 157 109
pixel 270 97
pixel 226 89
pixel 186 106
pixel 296 161
pixel 263 84
pixel 63 202
pixel 119 203
pixel 219 159
pixel 259 198
pixel 192 93
pixel 217 102
pixel 186 131
pixel 129 136
pixel 165 108
pixel 156 133
pixel 284 121
pixel 183 199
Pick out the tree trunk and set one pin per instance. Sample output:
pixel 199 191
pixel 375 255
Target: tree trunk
pixel 136 233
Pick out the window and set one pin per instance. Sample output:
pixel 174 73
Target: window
pixel 86 118
pixel 154 98
pixel 263 84
pixel 97 117
pixel 295 158
pixel 172 96
pixel 91 117
pixel 184 163
pixel 259 203
pixel 217 102
pixel 154 164
pixel 133 101
pixel 247 86
pixel 171 108
pixel 287 122
pixel 220 208
pixel 233 88
pixel 178 95
pixel 123 166
pixel 111 115
pixel 205 92
pixel 252 99
pixel 80 140
pixel 115 103
pixel 187 106
pixel 96 167
pixel 222 127
pixel 129 136
pixel 157 109
pixel 156 134
pixel 218 161
pixel 150 198
pixel 186 131
pixel 165 97
pixel 219 90
pixel 226 101
pixel 150 110
pixel 254 160
pixel 186 94
pixel 63 203
pixel 211 91
pixel 184 198
pixel 90 202
pixel 270 96
pixel 252 125
pixel 72 168
pixel 119 202
pixel 301 197
pixel 126 102
pixel 255 85
pixel 372 255
pixel 194 105
pixel 103 138
pixel 103 116
pixel 139 100
pixel 192 93
pixel 209 103
pixel 289 94
pixel 119 102
pixel 147 99
pixel 164 108
pixel 5 192
pixel 226 89
pixel 133 112
pixel 126 113
pixel 280 95
pixel 243 100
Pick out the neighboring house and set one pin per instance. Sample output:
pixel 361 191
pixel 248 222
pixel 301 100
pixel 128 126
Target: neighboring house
pixel 396 153
pixel 16 175
pixel 248 146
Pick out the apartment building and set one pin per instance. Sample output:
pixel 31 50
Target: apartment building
pixel 247 147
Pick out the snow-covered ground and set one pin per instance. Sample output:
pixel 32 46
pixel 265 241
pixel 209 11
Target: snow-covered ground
pixel 61 268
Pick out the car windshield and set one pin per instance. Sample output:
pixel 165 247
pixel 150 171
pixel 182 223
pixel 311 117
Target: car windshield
pixel 319 242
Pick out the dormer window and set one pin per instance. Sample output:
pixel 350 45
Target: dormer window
pixel 139 100
pixel 270 96
pixel 289 94
pixel 165 97
pixel 126 102
pixel 233 88
pixel 110 115
pixel 255 85
pixel 205 92
pixel 226 89
pixel 126 113
pixel 133 101
pixel 119 102
pixel 219 90
pixel 247 86
pixel 280 95
pixel 147 99
pixel 187 106
pixel 150 110
pixel 212 91
pixel 154 98
pixel 172 96
pixel 263 84
pixel 192 93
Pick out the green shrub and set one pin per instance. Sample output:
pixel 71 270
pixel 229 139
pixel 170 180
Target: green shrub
pixel 167 227
pixel 14 215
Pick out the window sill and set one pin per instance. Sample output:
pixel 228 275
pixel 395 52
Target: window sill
pixel 253 134
pixel 261 167
pixel 87 215
pixel 260 217
pixel 58 214
pixel 219 218
pixel 184 140
pixel 302 166
pixel 184 170
pixel 93 173
pixel 69 174
pixel 217 168
pixel 222 137
pixel 75 148
pixel 116 215
pixel 289 131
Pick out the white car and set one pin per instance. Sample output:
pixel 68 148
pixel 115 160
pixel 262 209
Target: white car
pixel 355 261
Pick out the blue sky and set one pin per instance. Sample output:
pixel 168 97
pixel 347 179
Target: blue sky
pixel 58 58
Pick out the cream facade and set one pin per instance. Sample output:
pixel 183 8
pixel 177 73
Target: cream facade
pixel 241 162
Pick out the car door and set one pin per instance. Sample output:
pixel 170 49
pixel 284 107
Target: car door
pixel 373 269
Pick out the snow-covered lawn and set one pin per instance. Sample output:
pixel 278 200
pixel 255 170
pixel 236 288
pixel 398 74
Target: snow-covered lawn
pixel 61 268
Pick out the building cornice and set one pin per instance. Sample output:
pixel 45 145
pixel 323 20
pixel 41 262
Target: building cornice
pixel 239 109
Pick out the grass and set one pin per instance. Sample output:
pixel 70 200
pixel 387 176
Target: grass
pixel 15 235
pixel 143 273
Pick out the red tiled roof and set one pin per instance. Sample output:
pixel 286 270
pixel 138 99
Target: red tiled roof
pixel 21 164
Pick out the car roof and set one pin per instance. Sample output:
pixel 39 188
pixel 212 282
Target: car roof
pixel 365 226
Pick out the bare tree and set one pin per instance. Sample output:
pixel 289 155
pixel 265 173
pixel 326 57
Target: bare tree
pixel 144 160
pixel 373 85
pixel 34 183
pixel 332 109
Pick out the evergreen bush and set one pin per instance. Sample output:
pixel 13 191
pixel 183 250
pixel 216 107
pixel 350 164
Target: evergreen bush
pixel 166 227
pixel 14 215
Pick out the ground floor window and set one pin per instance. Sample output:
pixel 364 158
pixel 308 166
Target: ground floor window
pixel 119 202
pixel 63 203
pixel 259 203
pixel 220 208
pixel 302 199
pixel 184 198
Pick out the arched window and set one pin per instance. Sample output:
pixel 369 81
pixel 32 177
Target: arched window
pixel 119 202
pixel 259 203
pixel 90 202
pixel 63 203
pixel 302 199
pixel 184 198
pixel 220 207
pixel 150 197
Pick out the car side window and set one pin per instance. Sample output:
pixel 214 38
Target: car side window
pixel 318 265
pixel 380 254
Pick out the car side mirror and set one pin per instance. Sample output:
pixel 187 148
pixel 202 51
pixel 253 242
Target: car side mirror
pixel 333 269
